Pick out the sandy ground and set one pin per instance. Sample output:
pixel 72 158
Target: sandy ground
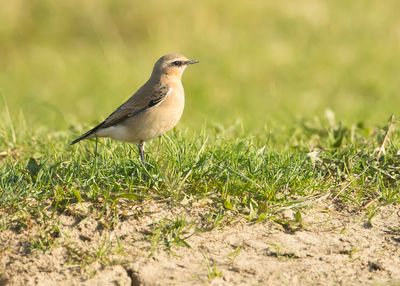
pixel 333 248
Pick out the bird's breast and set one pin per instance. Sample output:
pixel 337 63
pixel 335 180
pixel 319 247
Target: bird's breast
pixel 170 111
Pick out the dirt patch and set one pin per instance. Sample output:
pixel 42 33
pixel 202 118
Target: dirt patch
pixel 332 248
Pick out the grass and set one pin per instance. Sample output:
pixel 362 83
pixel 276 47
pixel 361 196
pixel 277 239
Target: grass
pixel 289 106
pixel 251 176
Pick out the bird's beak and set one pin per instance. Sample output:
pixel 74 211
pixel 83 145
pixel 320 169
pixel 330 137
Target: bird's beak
pixel 191 62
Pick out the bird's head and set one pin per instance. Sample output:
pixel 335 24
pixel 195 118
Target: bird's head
pixel 172 65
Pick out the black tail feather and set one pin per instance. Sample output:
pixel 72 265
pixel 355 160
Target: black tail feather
pixel 84 136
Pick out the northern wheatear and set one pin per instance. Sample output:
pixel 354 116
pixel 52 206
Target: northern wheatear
pixel 152 110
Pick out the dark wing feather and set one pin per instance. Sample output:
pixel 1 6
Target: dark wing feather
pixel 132 108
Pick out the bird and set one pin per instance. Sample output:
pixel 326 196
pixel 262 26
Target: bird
pixel 155 108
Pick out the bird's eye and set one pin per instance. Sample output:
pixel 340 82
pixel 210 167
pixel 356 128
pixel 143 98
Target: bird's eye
pixel 177 63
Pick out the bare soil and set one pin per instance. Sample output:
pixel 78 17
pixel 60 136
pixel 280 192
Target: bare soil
pixel 332 248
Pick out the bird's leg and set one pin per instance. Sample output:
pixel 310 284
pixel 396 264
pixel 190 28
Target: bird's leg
pixel 141 151
pixel 95 149
pixel 95 153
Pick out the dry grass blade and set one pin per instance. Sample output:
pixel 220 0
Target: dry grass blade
pixel 389 131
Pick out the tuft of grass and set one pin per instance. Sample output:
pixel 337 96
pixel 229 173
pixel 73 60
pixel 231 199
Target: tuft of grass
pixel 84 256
pixel 213 272
pixel 170 233
pixel 212 268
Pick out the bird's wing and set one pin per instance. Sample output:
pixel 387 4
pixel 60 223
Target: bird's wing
pixel 144 99
pixel 147 97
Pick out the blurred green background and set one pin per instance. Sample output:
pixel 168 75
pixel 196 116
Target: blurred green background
pixel 70 63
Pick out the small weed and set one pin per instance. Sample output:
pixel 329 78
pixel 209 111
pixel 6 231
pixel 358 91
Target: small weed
pixel 371 212
pixel 291 225
pixel 83 257
pixel 45 239
pixel 235 253
pixel 212 270
pixel 350 252
pixel 277 250
pixel 171 233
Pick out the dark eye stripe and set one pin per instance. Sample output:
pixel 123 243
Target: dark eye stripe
pixel 177 63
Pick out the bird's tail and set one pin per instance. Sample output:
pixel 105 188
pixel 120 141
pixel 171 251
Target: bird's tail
pixel 86 135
